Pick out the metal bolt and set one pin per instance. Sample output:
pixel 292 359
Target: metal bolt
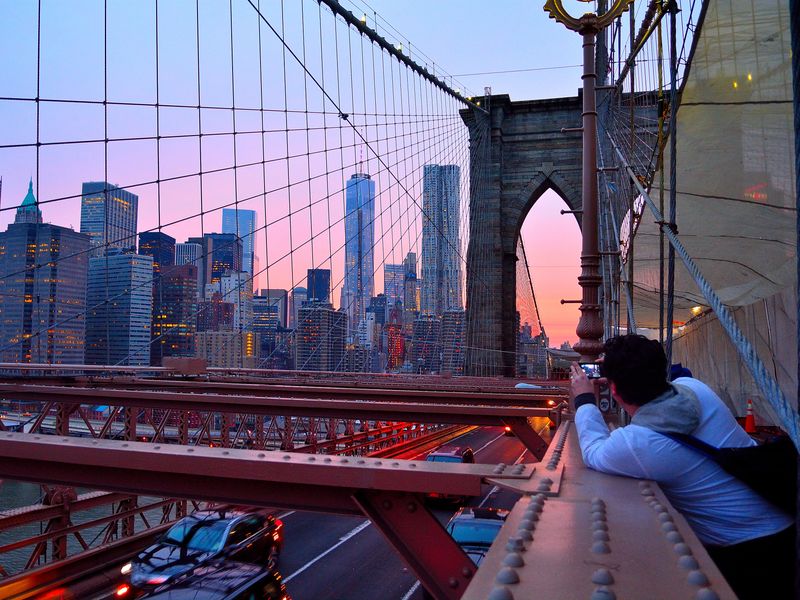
pixel 188 449
pixel 514 544
pixel 501 593
pixel 327 459
pixel 527 524
pixel 602 577
pixel 344 461
pixel 668 526
pixel 507 575
pixel 225 453
pixel 311 459
pixel 697 578
pixel 387 504
pixel 688 562
pixel 706 594
pixel 682 549
pixel 531 515
pixel 674 537
pixel 603 593
pixel 154 447
pixel 287 457
pixel 261 455
pixel 466 572
pixel 412 465
pixel 513 559
pixel 599 526
pixel 412 507
pixel 600 536
pixel 547 480
pixel 665 517
pixel 600 548
pixel 647 492
pixel 453 582
pixel 525 535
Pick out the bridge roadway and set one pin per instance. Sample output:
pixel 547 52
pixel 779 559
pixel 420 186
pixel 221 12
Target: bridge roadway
pixel 333 557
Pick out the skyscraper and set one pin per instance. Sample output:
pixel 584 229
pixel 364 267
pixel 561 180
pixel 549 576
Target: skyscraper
pixel 320 338
pixel 174 313
pixel 242 222
pixel 120 298
pixel 220 253
pixel 319 285
pixel 42 289
pixel 280 300
pixel 441 263
pixel 234 287
pixel 358 227
pixel 159 246
pixel 393 277
pixel 265 323
pixel 297 296
pixel 109 216
pixel 189 254
pixel 452 341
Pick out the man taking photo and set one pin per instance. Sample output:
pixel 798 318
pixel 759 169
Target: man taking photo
pixel 751 541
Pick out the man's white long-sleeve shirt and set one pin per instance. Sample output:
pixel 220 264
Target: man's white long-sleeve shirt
pixel 721 509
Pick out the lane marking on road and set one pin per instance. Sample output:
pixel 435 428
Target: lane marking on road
pixel 341 541
pixel 489 443
pixel 429 451
pixel 410 592
pixel 286 514
pixel 496 488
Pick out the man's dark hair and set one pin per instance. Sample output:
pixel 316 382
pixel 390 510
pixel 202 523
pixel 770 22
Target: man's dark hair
pixel 637 366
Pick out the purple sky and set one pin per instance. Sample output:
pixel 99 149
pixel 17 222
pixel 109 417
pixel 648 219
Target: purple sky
pixel 464 37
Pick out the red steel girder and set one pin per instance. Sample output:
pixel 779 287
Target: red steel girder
pixel 442 566
pixel 277 479
pixel 384 411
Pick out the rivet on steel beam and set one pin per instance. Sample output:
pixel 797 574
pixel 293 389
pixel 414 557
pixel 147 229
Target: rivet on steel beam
pixel 507 575
pixel 688 562
pixel 412 466
pixel 600 548
pixel 466 572
pixel 665 518
pixel 378 463
pixel 600 536
pixel 311 459
pixel 547 480
pixel 412 507
pixel 67 439
pixel 514 544
pixel 647 492
pixel 525 534
pixel 644 484
pixel 344 461
pixel 603 593
pixel 674 537
pixel 261 455
pixel 287 457
pixel 682 549
pixel 156 447
pixel 659 508
pixel 36 437
pixel 527 524
pixel 697 578
pixel 531 515
pixel 540 497
pixel 598 502
pixel 452 582
pixel 395 464
pixel 602 577
pixel 498 469
pixel 518 469
pixel 387 504
pixel 598 515
pixel 360 461
pixel 327 459
pixel 501 593
pixel 706 594
pixel 188 449
pixel 123 445
pixel 225 453
pixel 94 443
pixel 668 526
pixel 513 559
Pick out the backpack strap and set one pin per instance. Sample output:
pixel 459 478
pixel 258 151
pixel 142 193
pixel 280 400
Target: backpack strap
pixel 692 442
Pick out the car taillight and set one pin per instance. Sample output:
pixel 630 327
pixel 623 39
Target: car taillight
pixel 507 428
pixel 122 591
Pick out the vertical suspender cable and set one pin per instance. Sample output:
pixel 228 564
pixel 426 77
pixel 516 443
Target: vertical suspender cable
pixel 673 168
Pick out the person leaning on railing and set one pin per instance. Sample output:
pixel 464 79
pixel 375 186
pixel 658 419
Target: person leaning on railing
pixel 750 540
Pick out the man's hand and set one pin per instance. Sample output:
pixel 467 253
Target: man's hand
pixel 579 383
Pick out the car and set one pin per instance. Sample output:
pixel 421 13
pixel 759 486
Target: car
pixel 450 454
pixel 203 536
pixel 508 431
pixel 474 529
pixel 222 580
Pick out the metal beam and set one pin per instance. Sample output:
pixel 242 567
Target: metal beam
pixel 442 566
pixel 274 479
pixel 248 404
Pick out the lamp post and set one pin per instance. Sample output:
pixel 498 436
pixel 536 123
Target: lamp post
pixel 590 325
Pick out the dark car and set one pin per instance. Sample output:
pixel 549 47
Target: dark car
pixel 474 529
pixel 201 537
pixel 224 580
pixel 450 454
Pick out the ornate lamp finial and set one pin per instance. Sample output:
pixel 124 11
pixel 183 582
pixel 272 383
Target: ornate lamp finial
pixel 589 20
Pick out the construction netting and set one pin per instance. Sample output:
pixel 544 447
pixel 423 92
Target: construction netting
pixel 735 198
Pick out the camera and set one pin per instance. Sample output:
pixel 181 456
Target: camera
pixel 592 370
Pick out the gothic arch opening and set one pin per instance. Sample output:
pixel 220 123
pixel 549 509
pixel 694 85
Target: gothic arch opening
pixel 548 265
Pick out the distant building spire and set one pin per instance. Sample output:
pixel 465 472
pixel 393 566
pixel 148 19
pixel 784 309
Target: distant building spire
pixel 28 211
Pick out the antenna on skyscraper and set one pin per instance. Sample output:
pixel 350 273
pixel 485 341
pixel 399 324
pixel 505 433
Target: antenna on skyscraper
pixel 361 159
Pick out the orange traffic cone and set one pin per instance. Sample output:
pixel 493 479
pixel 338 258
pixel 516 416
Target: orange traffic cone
pixel 749 420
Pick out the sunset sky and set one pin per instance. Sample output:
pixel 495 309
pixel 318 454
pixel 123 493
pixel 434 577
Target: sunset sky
pixel 462 37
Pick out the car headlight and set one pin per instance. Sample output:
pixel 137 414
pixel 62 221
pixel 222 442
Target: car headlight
pixel 126 568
